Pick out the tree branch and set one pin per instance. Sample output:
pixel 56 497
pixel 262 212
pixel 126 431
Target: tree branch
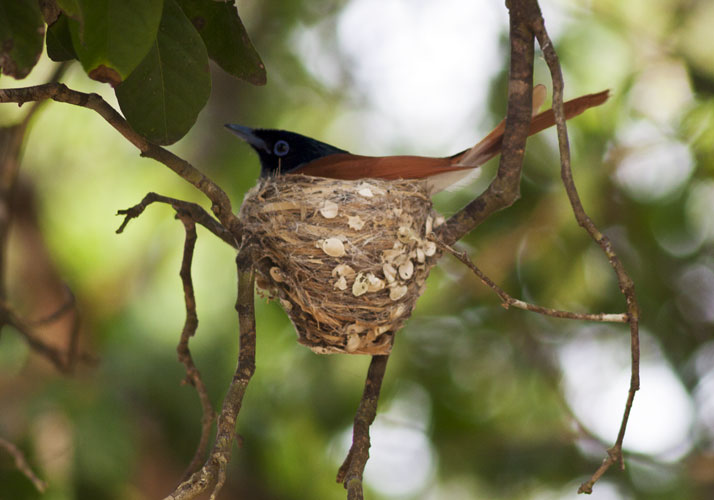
pixel 187 209
pixel 213 472
pixel 221 205
pixel 63 361
pixel 22 465
pixel 614 454
pixel 193 376
pixel 504 190
pixel 508 301
pixel 352 469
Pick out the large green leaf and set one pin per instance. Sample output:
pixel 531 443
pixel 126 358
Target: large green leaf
pixel 111 37
pixel 164 94
pixel 59 40
pixel 22 31
pixel 226 39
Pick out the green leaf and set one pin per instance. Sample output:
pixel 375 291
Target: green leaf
pixel 111 37
pixel 59 41
pixel 22 31
pixel 163 96
pixel 226 39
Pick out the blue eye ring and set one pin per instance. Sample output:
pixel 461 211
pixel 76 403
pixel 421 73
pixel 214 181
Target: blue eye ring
pixel 281 148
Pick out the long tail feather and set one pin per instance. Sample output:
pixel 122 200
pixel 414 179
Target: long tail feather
pixel 490 145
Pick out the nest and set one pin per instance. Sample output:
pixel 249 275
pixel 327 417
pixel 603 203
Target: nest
pixel 346 259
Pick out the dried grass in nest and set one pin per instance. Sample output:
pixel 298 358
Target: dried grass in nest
pixel 346 259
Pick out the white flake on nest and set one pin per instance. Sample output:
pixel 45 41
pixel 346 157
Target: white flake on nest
pixel 374 284
pixel 333 247
pixel 341 283
pixel 355 222
pixel 343 270
pixel 354 328
pixel 389 272
pixel 404 234
pixel 353 342
pixel 406 270
pixel 360 286
pixel 428 226
pixel 420 256
pixel 397 311
pixel 429 248
pixel 382 329
pixel 397 292
pixel 329 209
pixel 369 190
pixel 353 339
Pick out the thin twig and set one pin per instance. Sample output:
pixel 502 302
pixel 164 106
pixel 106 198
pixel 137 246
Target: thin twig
pixel 614 454
pixel 22 465
pixel 193 211
pixel 221 205
pixel 213 472
pixel 508 301
pixel 352 469
pixel 68 305
pixel 193 376
pixel 64 362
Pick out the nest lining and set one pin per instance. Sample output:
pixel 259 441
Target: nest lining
pixel 346 259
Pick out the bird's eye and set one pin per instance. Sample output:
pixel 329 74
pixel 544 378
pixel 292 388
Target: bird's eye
pixel 281 148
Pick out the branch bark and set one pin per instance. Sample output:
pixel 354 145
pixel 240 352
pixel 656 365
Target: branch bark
pixel 221 205
pixel 352 469
pixel 614 454
pixel 508 301
pixel 213 473
pixel 504 190
pixel 193 376
pixel 22 465
pixel 184 210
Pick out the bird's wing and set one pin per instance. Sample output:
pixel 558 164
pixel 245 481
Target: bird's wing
pixel 352 167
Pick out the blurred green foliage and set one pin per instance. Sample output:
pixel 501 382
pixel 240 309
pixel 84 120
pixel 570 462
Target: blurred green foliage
pixel 486 389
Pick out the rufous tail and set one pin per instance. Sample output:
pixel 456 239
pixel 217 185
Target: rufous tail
pixel 490 145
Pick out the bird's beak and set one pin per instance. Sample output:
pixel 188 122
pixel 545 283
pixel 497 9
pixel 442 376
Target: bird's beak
pixel 247 134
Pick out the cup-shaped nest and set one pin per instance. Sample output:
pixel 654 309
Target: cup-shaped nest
pixel 346 259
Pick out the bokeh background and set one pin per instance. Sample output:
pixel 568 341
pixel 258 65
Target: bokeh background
pixel 479 402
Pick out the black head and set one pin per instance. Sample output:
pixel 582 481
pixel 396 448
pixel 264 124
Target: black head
pixel 281 151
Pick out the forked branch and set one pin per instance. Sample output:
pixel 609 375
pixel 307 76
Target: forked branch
pixel 508 301
pixel 221 205
pixel 193 376
pixel 212 475
pixel 504 190
pixel 614 454
pixel 185 210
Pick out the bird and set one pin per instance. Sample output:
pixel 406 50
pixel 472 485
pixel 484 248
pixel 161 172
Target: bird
pixel 282 152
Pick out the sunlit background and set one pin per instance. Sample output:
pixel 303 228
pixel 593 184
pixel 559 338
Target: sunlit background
pixel 479 402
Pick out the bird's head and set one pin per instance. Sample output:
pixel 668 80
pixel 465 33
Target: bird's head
pixel 280 151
